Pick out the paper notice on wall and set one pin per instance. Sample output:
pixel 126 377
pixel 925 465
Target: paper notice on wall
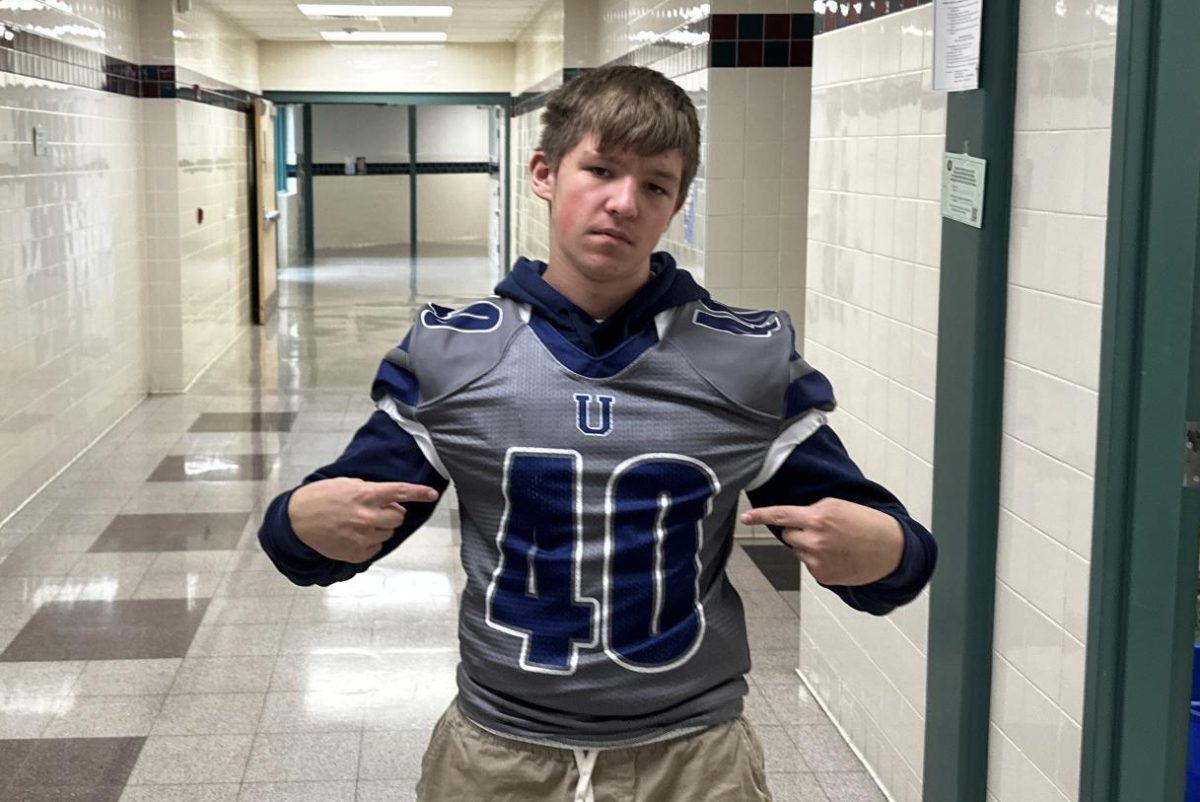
pixel 962 188
pixel 957 30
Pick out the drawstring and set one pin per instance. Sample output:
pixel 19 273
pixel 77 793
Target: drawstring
pixel 585 759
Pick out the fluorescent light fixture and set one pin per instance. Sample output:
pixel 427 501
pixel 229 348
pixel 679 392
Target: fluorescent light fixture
pixel 363 10
pixel 383 36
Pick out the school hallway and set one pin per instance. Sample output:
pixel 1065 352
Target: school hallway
pixel 149 651
pixel 982 219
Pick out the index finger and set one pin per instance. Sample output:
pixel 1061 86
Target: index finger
pixel 784 516
pixel 389 492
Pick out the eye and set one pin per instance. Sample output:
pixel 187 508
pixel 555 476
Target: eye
pixel 657 190
pixel 600 172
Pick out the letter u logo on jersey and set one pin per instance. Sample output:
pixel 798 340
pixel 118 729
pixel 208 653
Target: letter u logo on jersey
pixel 584 416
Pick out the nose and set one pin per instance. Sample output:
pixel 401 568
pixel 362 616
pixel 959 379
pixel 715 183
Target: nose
pixel 622 199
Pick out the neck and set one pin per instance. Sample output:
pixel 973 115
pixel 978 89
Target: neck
pixel 598 298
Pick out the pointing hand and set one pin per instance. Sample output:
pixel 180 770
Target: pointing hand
pixel 349 519
pixel 841 542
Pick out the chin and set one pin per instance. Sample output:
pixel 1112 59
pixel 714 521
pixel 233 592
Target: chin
pixel 599 268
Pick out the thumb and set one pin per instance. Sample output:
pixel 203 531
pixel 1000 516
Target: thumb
pixel 785 516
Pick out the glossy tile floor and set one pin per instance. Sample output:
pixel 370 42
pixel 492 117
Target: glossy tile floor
pixel 150 653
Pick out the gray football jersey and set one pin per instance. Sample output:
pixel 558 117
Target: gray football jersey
pixel 598 499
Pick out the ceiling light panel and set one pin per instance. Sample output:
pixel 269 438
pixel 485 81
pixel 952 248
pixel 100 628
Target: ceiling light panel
pixel 363 10
pixel 383 36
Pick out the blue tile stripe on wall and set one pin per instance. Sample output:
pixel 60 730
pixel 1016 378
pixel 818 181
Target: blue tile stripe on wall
pixel 840 13
pixel 35 56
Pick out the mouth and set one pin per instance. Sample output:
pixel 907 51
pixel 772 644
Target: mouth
pixel 614 235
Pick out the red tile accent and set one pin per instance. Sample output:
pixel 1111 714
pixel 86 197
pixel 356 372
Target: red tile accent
pixel 802 54
pixel 750 54
pixel 723 27
pixel 778 26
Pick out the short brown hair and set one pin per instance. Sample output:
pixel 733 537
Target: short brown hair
pixel 627 108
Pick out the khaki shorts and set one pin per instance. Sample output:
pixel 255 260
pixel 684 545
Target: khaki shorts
pixel 465 763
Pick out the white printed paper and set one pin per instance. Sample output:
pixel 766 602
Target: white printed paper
pixel 957 30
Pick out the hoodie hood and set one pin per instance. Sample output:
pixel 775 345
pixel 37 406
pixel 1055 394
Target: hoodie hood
pixel 667 288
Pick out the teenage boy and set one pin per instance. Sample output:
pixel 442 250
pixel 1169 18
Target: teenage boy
pixel 599 417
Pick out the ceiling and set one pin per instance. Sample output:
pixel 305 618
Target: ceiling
pixel 472 20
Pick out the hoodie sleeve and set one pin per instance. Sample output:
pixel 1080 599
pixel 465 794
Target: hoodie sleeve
pixel 819 467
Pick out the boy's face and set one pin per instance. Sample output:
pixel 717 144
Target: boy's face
pixel 607 211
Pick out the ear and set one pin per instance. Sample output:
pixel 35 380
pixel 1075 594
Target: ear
pixel 541 177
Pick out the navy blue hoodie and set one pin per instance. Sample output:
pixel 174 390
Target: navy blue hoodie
pixel 817 468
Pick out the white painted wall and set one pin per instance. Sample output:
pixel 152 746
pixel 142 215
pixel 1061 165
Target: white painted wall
pixel 343 132
pixel 452 133
pixel 1065 73
pixel 874 246
pixel 371 210
pixel 453 208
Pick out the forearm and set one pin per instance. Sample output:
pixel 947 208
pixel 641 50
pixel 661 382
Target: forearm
pixel 379 452
pixel 820 468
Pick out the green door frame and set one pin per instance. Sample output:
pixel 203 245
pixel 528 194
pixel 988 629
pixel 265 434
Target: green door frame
pixel 410 99
pixel 972 319
pixel 1144 549
pixel 412 192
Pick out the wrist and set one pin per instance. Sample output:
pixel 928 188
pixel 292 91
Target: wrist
pixel 295 511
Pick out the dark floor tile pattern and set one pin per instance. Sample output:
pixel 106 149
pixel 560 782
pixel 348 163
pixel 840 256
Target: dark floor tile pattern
pixel 128 629
pixel 244 422
pixel 66 769
pixel 200 531
pixel 778 564
pixel 214 468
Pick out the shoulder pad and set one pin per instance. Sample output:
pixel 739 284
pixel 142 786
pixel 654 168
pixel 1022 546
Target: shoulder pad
pixel 448 348
pixel 749 355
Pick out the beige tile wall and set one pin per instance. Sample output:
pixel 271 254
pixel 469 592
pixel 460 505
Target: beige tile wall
pixel 325 67
pixel 538 53
pixel 539 58
pixel 874 239
pixel 1056 267
pixel 214 256
pixel 756 187
pixel 531 217
pixel 106 26
pixel 196 158
pixel 210 43
pixel 71 264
